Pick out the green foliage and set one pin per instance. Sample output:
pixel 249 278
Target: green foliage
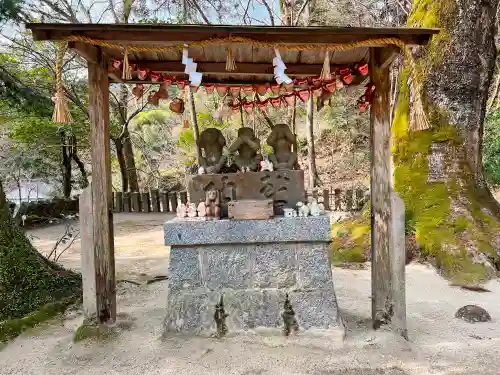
pixel 351 240
pixel 9 9
pixel 491 148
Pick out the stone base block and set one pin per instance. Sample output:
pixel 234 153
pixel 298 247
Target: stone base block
pixel 252 271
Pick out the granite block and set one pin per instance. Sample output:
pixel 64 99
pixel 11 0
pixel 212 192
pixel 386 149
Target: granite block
pixel 184 268
pixel 226 267
pixel 315 309
pixel 179 232
pixel 314 266
pixel 274 266
pixel 189 312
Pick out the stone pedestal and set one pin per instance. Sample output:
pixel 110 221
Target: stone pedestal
pixel 285 188
pixel 253 263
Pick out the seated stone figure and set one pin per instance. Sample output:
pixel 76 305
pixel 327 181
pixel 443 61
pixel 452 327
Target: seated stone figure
pixel 247 146
pixel 212 143
pixel 281 140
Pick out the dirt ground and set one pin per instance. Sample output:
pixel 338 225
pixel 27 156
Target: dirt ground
pixel 439 343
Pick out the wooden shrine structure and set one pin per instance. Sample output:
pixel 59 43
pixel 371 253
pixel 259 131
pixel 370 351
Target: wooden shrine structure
pixel 159 48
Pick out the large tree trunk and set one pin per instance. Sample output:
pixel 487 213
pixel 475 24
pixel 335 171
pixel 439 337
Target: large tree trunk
pixel 66 166
pixel 27 279
pixel 128 153
pixel 438 172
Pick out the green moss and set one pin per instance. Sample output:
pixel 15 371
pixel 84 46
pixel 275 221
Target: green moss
pixel 459 268
pixel 350 241
pixel 91 331
pixel 12 328
pixel 460 224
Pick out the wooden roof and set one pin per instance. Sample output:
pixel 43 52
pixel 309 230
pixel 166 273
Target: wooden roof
pixel 253 62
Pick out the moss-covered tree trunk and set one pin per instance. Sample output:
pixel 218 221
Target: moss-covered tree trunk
pixel 27 279
pixel 439 171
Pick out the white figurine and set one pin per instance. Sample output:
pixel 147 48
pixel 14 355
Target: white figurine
pixel 181 210
pixel 266 165
pixel 191 210
pixel 202 209
pixel 314 208
pixel 322 210
pixel 201 170
pixel 302 209
pixel 288 212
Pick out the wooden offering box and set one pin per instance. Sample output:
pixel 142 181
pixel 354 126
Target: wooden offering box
pixel 249 209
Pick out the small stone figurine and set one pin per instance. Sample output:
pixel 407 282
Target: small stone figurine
pixel 191 210
pixel 303 209
pixel 202 209
pixel 181 210
pixel 289 319
pixel 314 208
pixel 266 165
pixel 212 203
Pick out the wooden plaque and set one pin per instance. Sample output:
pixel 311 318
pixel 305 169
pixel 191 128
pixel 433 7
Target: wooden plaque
pixel 249 209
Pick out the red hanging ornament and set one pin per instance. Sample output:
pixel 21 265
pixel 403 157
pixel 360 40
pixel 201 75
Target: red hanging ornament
pixel 155 77
pixel 362 106
pixel 209 89
pixel 235 107
pixel 235 91
pixel 304 95
pixel 142 74
pixel 117 64
pixel 316 81
pixel 346 75
pixel 262 89
pixel 362 69
pixel 275 102
pixel 370 89
pixel 330 86
pixel 221 90
pixel 168 80
pixel 153 98
pixel 181 84
pixel 289 99
pixel 248 90
pixel 262 104
pixel 177 105
pixel 275 88
pixel 302 83
pixel 317 92
pixel 162 91
pixel 248 107
pixel 138 91
pixel 288 87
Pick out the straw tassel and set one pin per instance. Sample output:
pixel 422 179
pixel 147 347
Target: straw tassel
pixel 418 118
pixel 325 72
pixel 127 71
pixel 61 113
pixel 230 63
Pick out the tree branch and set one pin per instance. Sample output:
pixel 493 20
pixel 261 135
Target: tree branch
pixel 197 7
pixel 301 10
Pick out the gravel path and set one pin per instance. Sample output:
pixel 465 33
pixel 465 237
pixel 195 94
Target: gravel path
pixel 439 344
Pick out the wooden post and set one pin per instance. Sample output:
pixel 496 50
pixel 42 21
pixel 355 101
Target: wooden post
pixel 173 201
pixel 310 142
pixel 164 201
pixel 88 255
pixel 155 201
pixel 385 298
pixel 118 201
pixel 348 200
pixel 194 121
pixel 102 213
pixel 360 199
pixel 183 197
pixel 135 198
pixel 145 204
pixel 126 201
pixel 337 200
pixel 326 199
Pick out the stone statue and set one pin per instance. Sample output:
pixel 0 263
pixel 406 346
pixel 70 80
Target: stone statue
pixel 247 146
pixel 212 142
pixel 212 204
pixel 281 140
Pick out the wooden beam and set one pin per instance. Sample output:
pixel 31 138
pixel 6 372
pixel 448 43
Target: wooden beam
pixel 310 142
pixel 194 120
pixel 386 299
pixel 191 33
pixel 102 201
pixel 176 67
pixel 388 55
pixel 87 51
